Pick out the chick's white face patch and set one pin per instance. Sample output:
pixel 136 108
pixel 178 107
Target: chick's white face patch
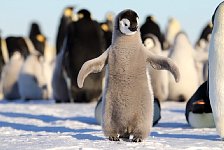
pixel 124 25
pixel 149 43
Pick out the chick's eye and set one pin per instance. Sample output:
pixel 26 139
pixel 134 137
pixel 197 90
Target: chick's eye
pixel 125 24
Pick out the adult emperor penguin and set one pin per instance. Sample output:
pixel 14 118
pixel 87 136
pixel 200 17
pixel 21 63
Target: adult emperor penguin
pixel 128 96
pixel 205 34
pixel 107 27
pixel 2 58
pixel 216 70
pixel 198 109
pixel 159 78
pixel 183 55
pixel 84 41
pixel 172 29
pixel 37 38
pixel 65 21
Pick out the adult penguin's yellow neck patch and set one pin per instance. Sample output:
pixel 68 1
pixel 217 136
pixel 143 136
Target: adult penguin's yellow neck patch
pixel 210 24
pixel 80 15
pixel 68 13
pixel 40 38
pixel 105 27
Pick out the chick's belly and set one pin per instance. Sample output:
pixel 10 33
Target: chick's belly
pixel 129 107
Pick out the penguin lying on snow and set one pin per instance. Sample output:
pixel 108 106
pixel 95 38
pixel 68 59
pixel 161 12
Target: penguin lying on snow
pixel 198 109
pixel 156 114
pixel 216 70
pixel 128 96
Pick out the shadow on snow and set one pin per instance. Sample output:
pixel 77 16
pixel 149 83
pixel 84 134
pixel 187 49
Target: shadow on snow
pixel 47 118
pixel 186 136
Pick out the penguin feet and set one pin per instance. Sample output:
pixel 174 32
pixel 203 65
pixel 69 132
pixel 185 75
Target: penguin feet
pixel 125 136
pixel 137 139
pixel 114 138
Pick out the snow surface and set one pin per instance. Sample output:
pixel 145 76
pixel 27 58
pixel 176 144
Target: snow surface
pixel 43 125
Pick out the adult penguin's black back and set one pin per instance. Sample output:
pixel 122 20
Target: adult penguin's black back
pixel 85 41
pixel 199 105
pixel 65 21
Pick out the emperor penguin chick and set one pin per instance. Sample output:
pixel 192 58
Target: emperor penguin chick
pixel 216 70
pixel 128 96
pixel 159 79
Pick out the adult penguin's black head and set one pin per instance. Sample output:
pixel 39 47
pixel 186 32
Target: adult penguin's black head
pixel 84 13
pixel 128 22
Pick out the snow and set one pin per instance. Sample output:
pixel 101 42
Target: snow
pixel 44 125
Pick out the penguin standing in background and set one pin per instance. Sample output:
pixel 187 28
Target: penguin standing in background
pixel 198 111
pixel 183 55
pixel 37 38
pixel 128 96
pixel 202 46
pixel 205 35
pixel 59 86
pixel 150 26
pixel 65 21
pixel 216 70
pixel 172 29
pixel 159 78
pixel 84 41
pixel 33 73
pixel 18 51
pixel 2 59
pixel 32 76
pixel 107 28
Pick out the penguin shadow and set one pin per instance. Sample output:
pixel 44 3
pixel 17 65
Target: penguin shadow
pixel 87 137
pixel 177 111
pixel 173 125
pixel 48 119
pixel 186 136
pixel 51 129
pixel 79 133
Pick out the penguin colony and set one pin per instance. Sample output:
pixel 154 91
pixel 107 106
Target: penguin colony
pixel 51 73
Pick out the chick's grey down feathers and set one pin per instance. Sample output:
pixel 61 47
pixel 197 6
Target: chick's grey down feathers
pixel 128 96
